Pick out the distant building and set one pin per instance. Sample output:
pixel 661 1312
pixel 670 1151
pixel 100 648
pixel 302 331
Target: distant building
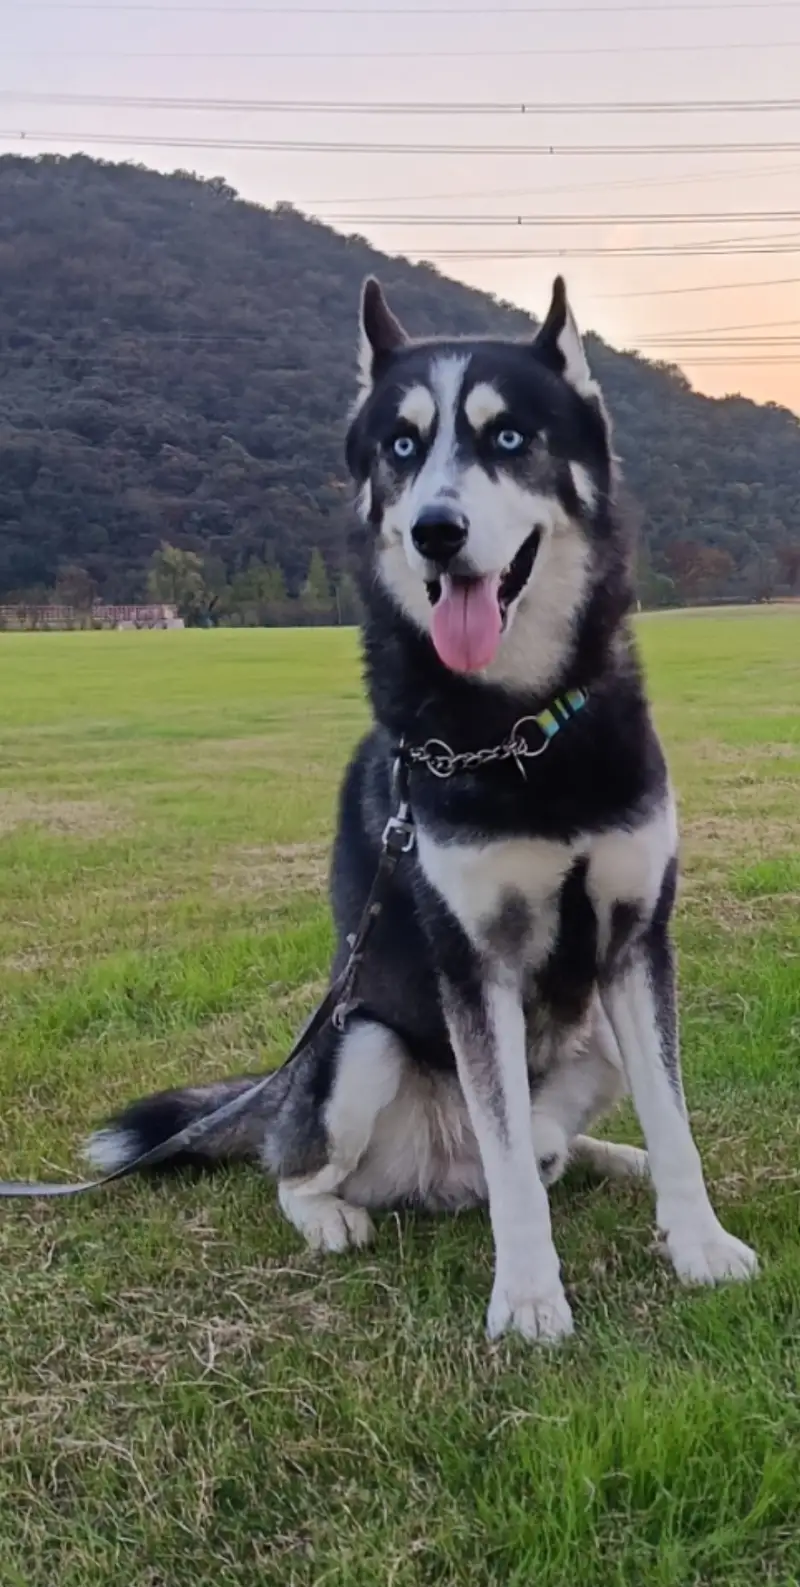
pixel 154 615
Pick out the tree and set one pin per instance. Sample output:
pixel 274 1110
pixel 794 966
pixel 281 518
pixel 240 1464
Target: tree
pixel 273 585
pixel 75 587
pixel 257 596
pixel 315 595
pixel 348 601
pixel 789 563
pixel 175 578
pixel 700 570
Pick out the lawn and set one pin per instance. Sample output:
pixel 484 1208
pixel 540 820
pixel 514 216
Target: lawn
pixel 191 1400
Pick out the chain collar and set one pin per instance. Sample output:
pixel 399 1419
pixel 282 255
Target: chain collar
pixel 441 761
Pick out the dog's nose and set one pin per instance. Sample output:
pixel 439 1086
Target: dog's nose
pixel 439 533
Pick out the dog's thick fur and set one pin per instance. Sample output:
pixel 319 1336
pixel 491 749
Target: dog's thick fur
pixel 520 979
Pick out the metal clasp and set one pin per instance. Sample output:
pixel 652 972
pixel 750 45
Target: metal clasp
pixel 398 833
pixel 521 749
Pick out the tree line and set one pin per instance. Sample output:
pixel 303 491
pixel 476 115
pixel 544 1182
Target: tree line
pixel 256 597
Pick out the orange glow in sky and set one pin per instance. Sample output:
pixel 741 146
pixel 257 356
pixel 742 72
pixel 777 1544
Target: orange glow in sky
pixel 720 297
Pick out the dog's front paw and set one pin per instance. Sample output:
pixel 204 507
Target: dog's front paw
pixel 543 1319
pixel 710 1255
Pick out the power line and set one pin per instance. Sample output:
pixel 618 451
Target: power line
pixel 721 286
pixel 689 218
pixel 684 339
pixel 328 146
pixel 725 330
pixel 768 360
pixel 569 51
pixel 321 107
pixel 731 248
pixel 710 343
pixel 457 12
pixel 255 339
pixel 739 173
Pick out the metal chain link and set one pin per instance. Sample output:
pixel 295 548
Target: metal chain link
pixel 442 761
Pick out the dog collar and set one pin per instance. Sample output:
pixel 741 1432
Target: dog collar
pixel 441 761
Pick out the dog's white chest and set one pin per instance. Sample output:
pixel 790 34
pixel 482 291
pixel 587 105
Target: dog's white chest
pixel 506 894
pixel 503 894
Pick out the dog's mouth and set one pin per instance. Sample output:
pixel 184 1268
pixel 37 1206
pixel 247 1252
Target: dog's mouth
pixel 470 614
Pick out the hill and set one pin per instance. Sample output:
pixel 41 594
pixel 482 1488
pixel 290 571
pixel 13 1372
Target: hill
pixel 176 365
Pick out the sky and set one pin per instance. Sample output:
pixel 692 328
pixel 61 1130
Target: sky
pixel 500 220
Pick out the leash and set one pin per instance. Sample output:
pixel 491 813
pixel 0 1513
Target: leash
pixel 340 1001
pixel 338 1004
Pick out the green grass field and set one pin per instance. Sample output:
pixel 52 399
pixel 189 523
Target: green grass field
pixel 186 1396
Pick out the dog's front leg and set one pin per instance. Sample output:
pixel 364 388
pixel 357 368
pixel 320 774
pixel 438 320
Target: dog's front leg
pixel 641 1007
pixel 487 1030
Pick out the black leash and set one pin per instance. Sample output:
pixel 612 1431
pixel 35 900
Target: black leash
pixel 340 1000
pixel 338 1004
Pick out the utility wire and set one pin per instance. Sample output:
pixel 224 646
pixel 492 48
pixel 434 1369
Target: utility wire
pixel 727 247
pixel 737 173
pixel 726 330
pixel 721 47
pixel 768 361
pixel 434 107
pixel 459 13
pixel 684 218
pixel 327 146
pixel 721 286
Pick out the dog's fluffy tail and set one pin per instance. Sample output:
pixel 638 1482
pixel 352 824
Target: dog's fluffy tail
pixel 151 1121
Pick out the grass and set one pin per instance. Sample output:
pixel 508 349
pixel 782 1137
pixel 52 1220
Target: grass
pixel 188 1398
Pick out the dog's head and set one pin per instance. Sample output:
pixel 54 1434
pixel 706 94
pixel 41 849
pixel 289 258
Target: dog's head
pixel 485 469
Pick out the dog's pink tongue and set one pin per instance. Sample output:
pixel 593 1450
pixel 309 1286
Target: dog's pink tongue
pixel 466 624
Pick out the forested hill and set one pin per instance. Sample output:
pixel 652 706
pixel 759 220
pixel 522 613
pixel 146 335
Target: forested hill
pixel 176 364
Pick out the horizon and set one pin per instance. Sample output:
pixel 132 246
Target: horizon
pixel 716 298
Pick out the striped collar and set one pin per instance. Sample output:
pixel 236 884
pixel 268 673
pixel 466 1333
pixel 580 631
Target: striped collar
pixel 441 761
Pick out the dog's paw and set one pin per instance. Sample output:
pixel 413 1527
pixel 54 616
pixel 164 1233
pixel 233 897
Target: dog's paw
pixel 542 1319
pixel 710 1257
pixel 326 1222
pixel 551 1147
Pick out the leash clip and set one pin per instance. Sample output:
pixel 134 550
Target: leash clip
pixel 398 833
pixel 521 750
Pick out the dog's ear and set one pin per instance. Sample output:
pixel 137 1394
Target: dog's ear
pixel 558 344
pixel 380 332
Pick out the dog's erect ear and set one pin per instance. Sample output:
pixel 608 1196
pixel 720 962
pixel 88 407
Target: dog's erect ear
pixel 558 344
pixel 380 332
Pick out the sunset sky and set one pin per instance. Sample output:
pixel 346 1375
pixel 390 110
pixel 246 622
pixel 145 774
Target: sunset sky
pixel 732 321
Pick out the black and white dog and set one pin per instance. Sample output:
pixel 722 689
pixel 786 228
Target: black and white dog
pixel 520 978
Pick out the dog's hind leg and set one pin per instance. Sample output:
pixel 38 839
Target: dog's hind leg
pixel 574 1092
pixel 609 1159
pixel 367 1069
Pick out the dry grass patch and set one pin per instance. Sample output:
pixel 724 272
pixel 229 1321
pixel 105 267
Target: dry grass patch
pixel 710 844
pixel 273 869
pixel 273 750
pixel 75 818
pixel 27 962
pixel 728 912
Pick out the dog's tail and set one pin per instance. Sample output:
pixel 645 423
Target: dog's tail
pixel 151 1121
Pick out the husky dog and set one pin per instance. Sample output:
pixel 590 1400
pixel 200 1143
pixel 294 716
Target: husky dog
pixel 520 978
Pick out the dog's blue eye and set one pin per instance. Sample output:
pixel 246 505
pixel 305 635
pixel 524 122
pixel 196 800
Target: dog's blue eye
pixel 509 440
pixel 404 447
